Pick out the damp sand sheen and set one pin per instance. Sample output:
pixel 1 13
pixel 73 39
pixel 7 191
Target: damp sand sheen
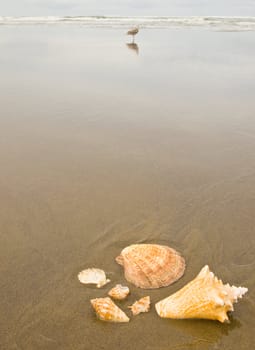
pixel 103 148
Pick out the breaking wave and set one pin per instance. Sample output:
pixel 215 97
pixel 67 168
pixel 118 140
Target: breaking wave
pixel 216 23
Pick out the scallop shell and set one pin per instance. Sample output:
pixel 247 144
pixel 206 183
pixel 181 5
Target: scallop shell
pixel 107 310
pixel 93 276
pixel 119 292
pixel 151 265
pixel 204 297
pixel 142 305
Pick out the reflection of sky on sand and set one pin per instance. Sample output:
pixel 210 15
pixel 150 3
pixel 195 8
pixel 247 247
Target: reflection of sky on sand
pixel 99 150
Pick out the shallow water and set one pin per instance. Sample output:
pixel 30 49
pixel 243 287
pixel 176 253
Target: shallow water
pixel 103 145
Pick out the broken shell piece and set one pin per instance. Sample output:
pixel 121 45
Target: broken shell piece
pixel 93 276
pixel 107 310
pixel 119 292
pixel 204 297
pixel 142 305
pixel 151 265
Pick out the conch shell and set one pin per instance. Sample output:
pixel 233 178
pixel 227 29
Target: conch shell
pixel 142 305
pixel 151 265
pixel 204 297
pixel 107 310
pixel 119 292
pixel 93 276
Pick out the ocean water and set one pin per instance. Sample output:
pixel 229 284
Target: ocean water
pixel 215 23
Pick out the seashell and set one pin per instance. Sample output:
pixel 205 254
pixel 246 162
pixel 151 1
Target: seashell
pixel 119 292
pixel 107 310
pixel 151 265
pixel 94 276
pixel 204 297
pixel 142 305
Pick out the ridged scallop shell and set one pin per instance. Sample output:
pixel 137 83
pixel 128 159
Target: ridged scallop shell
pixel 204 297
pixel 119 292
pixel 142 305
pixel 151 265
pixel 93 276
pixel 107 310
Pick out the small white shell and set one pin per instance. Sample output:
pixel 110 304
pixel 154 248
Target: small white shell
pixel 93 276
pixel 142 305
pixel 119 292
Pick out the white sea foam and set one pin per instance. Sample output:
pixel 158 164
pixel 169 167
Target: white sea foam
pixel 216 23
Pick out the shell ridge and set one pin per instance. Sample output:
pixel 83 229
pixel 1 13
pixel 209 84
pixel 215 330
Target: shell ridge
pixel 151 265
pixel 136 264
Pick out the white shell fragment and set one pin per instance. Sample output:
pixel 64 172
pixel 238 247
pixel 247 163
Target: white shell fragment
pixel 93 276
pixel 119 292
pixel 142 305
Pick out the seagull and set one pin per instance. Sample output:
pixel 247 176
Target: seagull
pixel 133 32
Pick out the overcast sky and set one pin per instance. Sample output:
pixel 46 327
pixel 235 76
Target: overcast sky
pixel 127 7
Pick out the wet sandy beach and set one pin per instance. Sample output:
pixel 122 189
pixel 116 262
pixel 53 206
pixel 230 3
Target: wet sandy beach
pixel 103 145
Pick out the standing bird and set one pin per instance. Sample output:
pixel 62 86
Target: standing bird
pixel 133 32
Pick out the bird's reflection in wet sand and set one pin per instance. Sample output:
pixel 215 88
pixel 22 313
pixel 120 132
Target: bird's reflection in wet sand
pixel 133 47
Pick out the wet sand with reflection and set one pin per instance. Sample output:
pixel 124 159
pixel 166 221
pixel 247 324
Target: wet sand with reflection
pixel 101 149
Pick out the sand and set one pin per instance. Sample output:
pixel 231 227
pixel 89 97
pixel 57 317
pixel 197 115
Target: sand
pixel 101 146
